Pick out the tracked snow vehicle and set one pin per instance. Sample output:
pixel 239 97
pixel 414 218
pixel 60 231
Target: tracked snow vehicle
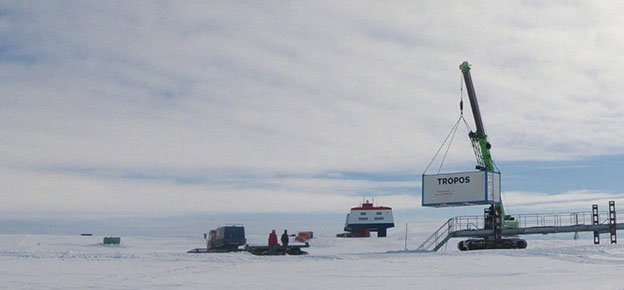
pixel 223 239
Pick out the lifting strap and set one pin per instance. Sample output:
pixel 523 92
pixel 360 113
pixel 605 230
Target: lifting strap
pixel 451 135
pixel 449 139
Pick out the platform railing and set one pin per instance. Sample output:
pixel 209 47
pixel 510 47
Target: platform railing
pixel 460 223
pixel 533 220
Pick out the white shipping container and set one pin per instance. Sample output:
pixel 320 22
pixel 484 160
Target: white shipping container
pixel 460 189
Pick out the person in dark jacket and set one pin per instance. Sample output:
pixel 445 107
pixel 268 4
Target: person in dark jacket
pixel 273 243
pixel 285 241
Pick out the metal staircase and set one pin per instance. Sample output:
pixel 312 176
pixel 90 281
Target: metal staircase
pixel 438 238
pixel 474 226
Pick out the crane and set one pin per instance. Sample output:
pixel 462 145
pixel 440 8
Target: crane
pixel 479 140
pixel 495 217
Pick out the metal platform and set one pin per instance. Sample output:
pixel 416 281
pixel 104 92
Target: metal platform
pixel 528 224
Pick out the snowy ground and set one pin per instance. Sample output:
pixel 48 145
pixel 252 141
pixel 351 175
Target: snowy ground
pixel 75 262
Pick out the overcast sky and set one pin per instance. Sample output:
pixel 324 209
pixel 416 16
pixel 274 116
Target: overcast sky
pixel 153 107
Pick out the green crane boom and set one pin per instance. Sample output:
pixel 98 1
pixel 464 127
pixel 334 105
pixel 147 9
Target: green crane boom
pixel 495 217
pixel 479 138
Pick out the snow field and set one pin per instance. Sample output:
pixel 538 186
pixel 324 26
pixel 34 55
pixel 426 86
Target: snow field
pixel 75 262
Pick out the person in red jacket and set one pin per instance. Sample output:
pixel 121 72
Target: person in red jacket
pixel 272 243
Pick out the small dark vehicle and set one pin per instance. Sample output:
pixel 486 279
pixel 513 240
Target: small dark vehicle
pixel 223 239
pixel 228 237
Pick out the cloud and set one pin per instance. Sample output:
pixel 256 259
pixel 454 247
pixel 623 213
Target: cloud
pixel 580 200
pixel 201 91
pixel 101 192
